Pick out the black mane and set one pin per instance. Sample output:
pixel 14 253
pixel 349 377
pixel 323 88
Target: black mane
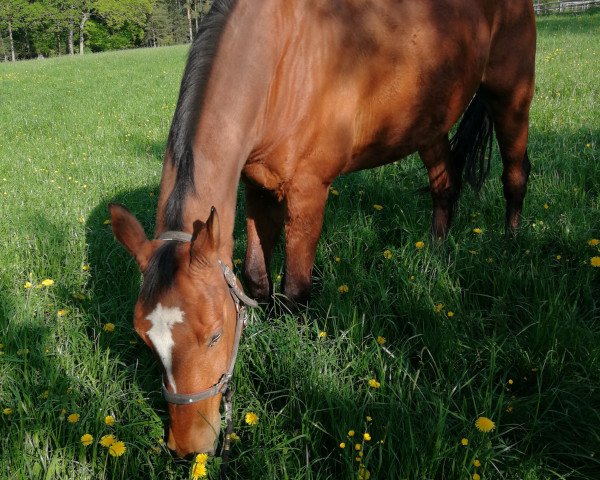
pixel 187 113
pixel 160 273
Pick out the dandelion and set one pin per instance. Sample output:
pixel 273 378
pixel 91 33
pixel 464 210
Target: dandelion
pixel 334 191
pixel 464 441
pixel 109 420
pixel 477 231
pixel 109 327
pixel 351 433
pixel 107 440
pixel 595 261
pixel 342 445
pixel 450 313
pixel 477 463
pixel 85 267
pixel 510 381
pixel 378 207
pixel 106 222
pixel 337 259
pixel 251 418
pixel 366 437
pixel 7 411
pixel 380 340
pixel 73 418
pixel 592 242
pixel 27 285
pixel 387 254
pixel 62 313
pixel 201 458
pixel 420 244
pixel 86 439
pixel 234 437
pixel 546 206
pixel 322 334
pixel 558 257
pixel 476 476
pixel 117 449
pixel 438 307
pixel 47 282
pixel 484 424
pixel 357 447
pixel 373 383
pixel 199 471
pixel 343 288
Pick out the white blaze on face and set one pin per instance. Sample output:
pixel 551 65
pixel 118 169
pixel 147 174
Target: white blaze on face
pixel 163 319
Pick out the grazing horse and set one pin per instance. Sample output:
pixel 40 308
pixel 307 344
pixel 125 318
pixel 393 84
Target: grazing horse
pixel 287 95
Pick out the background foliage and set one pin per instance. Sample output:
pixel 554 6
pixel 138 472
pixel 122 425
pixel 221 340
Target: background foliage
pixel 522 345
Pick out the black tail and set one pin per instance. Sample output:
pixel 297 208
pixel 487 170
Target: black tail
pixel 471 145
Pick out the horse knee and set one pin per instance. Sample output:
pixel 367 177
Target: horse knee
pixel 257 281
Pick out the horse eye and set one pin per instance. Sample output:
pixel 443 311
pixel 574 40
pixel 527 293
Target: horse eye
pixel 214 339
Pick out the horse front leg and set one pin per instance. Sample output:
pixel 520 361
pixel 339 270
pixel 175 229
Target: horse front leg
pixel 305 209
pixel 444 182
pixel 264 221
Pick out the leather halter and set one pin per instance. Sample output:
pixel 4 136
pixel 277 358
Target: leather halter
pixel 241 300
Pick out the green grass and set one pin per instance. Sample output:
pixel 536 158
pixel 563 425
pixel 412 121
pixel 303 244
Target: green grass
pixel 77 133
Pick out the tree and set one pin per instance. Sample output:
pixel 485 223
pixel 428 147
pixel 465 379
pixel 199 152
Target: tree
pixel 12 15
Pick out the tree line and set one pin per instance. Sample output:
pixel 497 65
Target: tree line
pixel 36 28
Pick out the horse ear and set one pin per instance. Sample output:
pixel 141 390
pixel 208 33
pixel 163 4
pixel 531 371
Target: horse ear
pixel 206 237
pixel 130 233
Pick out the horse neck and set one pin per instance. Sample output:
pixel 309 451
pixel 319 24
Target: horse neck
pixel 227 128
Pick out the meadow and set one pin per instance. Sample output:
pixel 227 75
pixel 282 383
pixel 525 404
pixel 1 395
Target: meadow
pixel 410 345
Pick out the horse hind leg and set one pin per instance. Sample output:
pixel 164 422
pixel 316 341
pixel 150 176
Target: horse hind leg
pixel 444 183
pixel 510 113
pixel 264 222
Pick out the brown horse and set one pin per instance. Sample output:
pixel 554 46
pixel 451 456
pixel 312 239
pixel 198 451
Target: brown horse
pixel 287 95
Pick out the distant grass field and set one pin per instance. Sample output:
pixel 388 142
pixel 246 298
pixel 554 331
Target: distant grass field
pixel 479 326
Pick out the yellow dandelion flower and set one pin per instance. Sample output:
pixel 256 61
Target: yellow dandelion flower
pixel 484 424
pixel 420 244
pixel 387 254
pixel 251 418
pixel 109 420
pixel 358 459
pixel 117 449
pixel 357 447
pixel 593 242
pixel 510 381
pixel 369 418
pixel 342 444
pixel 85 267
pixel 476 463
pixel 73 418
pixel 373 383
pixel 7 411
pixel 595 261
pixel 343 288
pixel 106 222
pixel 380 340
pixel 86 439
pixel 198 471
pixel 546 206
pixel 334 191
pixel 450 313
pixel 62 313
pixel 366 436
pixel 107 440
pixel 109 327
pixel 477 231
pixel 337 259
pixel 464 441
pixel 234 437
pixel 47 282
pixel 202 458
pixel 558 257
pixel 476 476
pixel 351 433
pixel 27 285
pixel 378 207
pixel 322 334
pixel 438 307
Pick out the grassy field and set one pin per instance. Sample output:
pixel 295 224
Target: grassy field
pixel 479 326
